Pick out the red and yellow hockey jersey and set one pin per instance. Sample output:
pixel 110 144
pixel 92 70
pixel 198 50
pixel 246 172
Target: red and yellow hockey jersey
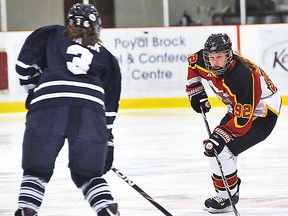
pixel 248 94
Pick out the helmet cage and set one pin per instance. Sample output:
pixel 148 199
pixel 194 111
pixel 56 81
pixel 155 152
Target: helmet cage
pixel 220 71
pixel 218 43
pixel 85 16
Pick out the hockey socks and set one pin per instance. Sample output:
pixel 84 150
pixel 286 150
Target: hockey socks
pixel 31 194
pixel 98 194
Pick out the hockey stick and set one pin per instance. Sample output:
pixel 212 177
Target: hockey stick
pixel 139 190
pixel 220 166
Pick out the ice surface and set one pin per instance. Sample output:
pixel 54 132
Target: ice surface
pixel 160 150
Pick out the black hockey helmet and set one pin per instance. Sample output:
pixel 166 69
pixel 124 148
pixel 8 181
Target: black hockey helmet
pixel 218 43
pixel 85 16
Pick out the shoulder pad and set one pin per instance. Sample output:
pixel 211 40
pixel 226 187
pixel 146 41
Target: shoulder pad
pixel 192 59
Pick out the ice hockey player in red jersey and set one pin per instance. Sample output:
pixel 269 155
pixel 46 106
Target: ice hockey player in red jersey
pixel 253 105
pixel 73 84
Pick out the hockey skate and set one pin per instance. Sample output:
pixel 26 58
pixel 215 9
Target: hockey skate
pixel 25 212
pixel 111 210
pixel 217 204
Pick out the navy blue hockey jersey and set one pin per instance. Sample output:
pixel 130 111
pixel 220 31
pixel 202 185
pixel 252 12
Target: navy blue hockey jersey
pixel 57 71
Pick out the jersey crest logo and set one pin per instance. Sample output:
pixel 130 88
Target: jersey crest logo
pixel 193 59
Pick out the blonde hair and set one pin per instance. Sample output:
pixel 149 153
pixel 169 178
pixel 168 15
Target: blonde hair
pixel 89 37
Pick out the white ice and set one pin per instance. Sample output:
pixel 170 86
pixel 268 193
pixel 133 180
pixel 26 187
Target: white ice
pixel 160 150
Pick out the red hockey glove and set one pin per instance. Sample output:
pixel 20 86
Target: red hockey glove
pixel 198 97
pixel 217 140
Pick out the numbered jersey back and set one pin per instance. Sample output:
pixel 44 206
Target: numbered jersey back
pixel 61 71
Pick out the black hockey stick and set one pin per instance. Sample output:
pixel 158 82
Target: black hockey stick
pixel 220 166
pixel 139 190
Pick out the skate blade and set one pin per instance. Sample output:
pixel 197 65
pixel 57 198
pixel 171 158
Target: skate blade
pixel 219 211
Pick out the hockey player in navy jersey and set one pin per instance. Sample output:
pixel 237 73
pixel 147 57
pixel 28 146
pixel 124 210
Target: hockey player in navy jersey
pixel 253 107
pixel 73 84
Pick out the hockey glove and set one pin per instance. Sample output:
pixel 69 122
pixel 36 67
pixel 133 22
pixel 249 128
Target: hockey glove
pixel 198 97
pixel 217 140
pixel 109 159
pixel 28 99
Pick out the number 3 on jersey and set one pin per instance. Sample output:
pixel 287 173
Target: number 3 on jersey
pixel 80 64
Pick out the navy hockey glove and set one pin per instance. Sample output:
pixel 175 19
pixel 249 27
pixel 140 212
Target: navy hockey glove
pixel 109 159
pixel 28 99
pixel 198 97
pixel 217 140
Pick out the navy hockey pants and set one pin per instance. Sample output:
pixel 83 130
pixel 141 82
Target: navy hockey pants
pixel 45 134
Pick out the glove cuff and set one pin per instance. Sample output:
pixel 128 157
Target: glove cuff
pixel 194 89
pixel 221 135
